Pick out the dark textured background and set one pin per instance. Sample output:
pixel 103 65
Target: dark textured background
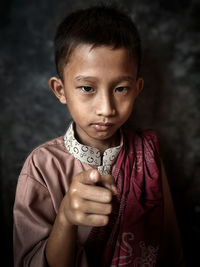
pixel 30 114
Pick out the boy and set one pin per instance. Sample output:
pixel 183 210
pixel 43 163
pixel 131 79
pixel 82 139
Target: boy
pixel 97 196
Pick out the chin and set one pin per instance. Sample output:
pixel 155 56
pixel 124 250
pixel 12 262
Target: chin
pixel 104 136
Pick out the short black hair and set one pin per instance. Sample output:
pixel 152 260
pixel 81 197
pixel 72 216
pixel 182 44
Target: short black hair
pixel 98 25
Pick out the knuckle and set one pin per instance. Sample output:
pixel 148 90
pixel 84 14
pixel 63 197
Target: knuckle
pixel 75 204
pixel 82 176
pixel 79 217
pixel 72 190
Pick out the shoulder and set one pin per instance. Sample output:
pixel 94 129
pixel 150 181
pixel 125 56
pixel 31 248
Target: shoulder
pixel 49 149
pixel 143 141
pixel 150 138
pixel 148 135
pixel 129 131
pixel 56 143
pixel 45 159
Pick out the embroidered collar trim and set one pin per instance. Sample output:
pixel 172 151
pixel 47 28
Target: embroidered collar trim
pixel 91 155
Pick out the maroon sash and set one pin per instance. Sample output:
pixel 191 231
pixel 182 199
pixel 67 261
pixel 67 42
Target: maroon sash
pixel 132 235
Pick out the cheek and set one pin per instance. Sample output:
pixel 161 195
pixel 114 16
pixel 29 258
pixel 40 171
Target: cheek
pixel 125 107
pixel 78 111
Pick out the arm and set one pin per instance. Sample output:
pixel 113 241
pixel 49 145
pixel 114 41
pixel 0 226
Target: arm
pixel 37 228
pixel 61 245
pixel 32 222
pixel 171 248
pixel 84 204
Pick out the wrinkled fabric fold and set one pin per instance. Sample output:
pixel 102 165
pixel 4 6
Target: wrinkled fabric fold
pixel 132 235
pixel 135 220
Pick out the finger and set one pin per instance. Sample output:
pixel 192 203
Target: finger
pixel 95 193
pixel 96 208
pixel 86 206
pixel 108 181
pixel 96 220
pixel 88 177
pixel 80 218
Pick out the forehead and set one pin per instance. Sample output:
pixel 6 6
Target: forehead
pixel 100 59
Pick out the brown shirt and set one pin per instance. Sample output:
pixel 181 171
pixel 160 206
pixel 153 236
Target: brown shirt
pixel 42 184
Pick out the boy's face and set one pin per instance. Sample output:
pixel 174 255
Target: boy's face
pixel 99 88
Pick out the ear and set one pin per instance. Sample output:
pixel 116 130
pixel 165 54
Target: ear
pixel 139 85
pixel 57 87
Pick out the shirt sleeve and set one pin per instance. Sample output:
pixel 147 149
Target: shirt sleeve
pixel 33 219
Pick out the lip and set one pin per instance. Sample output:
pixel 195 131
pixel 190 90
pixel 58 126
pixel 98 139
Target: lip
pixel 101 126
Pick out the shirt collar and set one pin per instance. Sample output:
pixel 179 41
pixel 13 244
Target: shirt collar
pixel 91 155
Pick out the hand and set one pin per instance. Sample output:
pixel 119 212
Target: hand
pixel 88 201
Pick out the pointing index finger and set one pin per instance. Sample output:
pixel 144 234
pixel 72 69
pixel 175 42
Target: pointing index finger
pixel 93 177
pixel 108 181
pixel 89 177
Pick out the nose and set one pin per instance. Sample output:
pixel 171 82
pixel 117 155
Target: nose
pixel 105 105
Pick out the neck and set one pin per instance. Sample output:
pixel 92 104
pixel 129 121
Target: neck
pixel 102 145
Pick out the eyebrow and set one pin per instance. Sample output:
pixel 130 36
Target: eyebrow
pixel 126 78
pixel 82 78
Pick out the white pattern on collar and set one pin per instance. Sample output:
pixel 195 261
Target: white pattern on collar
pixel 91 155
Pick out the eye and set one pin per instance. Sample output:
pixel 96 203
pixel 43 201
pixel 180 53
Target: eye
pixel 86 89
pixel 121 89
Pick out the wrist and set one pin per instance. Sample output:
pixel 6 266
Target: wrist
pixel 63 220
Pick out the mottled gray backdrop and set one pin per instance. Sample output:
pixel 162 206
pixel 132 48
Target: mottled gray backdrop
pixel 30 114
